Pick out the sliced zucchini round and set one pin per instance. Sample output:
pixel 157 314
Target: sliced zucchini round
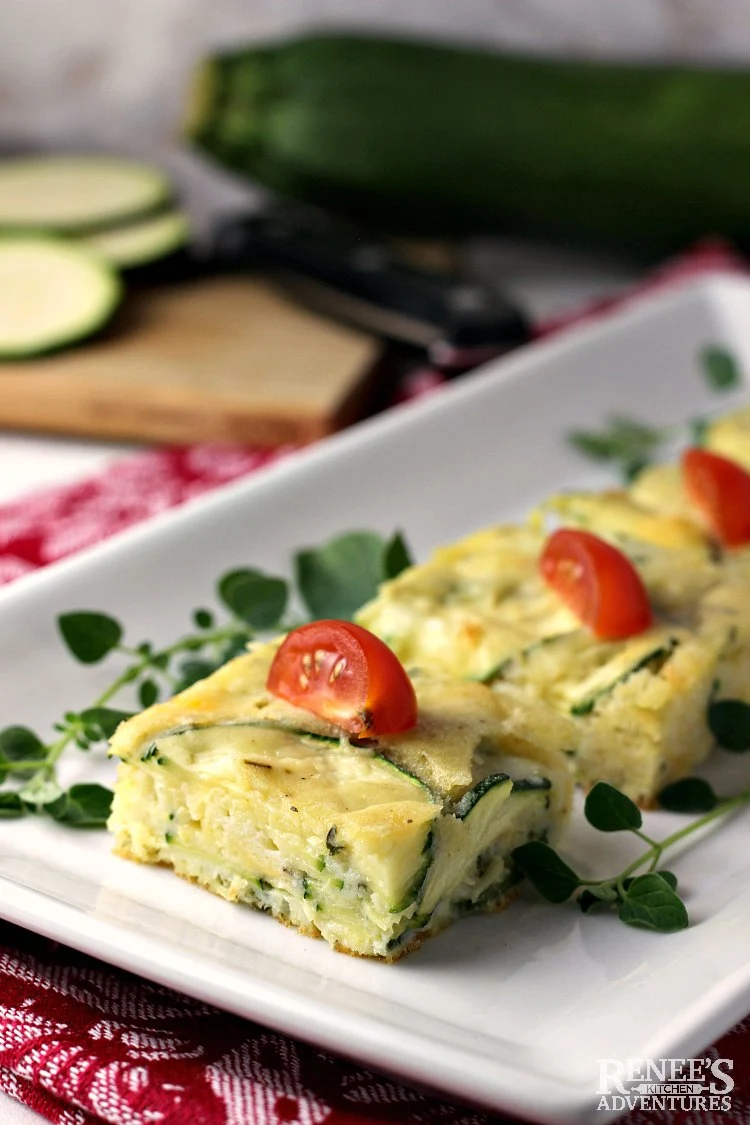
pixel 52 293
pixel 72 194
pixel 141 243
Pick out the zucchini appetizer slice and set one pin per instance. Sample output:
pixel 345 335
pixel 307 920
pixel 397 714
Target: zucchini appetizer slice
pixel 370 844
pixel 623 516
pixel 479 609
pixel 708 488
pixel 74 194
pixel 52 293
pixel 143 243
pixel 698 582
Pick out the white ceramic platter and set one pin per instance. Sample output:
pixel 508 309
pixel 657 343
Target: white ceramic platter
pixel 510 1011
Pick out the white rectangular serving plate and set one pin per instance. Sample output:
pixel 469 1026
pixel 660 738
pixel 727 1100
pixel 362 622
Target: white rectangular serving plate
pixel 511 1011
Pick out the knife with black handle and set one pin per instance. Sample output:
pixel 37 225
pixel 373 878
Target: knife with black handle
pixel 351 277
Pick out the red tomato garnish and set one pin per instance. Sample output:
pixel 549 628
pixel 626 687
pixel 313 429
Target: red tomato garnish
pixel 720 489
pixel 597 582
pixel 346 675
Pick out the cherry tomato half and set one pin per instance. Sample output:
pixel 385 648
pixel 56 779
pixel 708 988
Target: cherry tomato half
pixel 346 675
pixel 720 489
pixel 597 582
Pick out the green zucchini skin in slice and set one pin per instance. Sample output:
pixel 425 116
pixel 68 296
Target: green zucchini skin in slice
pixel 439 877
pixel 496 781
pixel 77 194
pixel 53 293
pixel 473 816
pixel 653 660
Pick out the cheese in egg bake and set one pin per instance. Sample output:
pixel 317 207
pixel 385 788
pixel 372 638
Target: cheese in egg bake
pixel 372 846
pixel 730 436
pixel 659 489
pixel 479 609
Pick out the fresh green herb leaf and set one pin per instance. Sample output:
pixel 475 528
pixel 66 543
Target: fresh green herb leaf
pixel 102 722
pixel 256 598
pixel 19 744
pixel 623 439
pixel 688 795
pixel 599 447
pixel 40 790
pixel 720 368
pixel 543 867
pixel 631 433
pixel 633 467
pixel 234 647
pixel 90 636
pixel 625 442
pixel 651 903
pixel 609 810
pixel 588 901
pixel 396 556
pixel 337 579
pixel 698 431
pixel 11 805
pixel 604 894
pixel 193 670
pixel 203 619
pixel 83 806
pixel 729 723
pixel 669 878
pixel 148 693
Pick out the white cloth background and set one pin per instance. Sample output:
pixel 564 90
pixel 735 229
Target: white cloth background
pixel 114 71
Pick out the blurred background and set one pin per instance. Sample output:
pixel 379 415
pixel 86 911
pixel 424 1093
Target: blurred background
pixel 436 201
pixel 118 72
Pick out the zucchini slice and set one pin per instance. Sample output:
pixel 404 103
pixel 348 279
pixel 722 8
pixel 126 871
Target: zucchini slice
pixel 52 293
pixel 74 194
pixel 603 682
pixel 142 243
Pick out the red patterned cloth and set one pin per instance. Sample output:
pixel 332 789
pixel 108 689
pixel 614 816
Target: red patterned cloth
pixel 83 1043
pixel 50 524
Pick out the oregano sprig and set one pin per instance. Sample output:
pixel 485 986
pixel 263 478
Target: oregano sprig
pixel 641 894
pixel 720 368
pixel 334 580
pixel 629 445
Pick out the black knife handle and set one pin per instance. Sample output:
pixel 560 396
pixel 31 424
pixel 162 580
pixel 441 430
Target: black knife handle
pixel 456 319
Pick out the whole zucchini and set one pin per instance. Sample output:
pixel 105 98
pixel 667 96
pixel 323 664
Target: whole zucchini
pixel 419 138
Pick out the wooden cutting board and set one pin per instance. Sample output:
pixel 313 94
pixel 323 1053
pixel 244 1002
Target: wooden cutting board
pixel 218 359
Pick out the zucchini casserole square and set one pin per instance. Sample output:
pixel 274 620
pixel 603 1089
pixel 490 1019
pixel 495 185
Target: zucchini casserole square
pixel 692 570
pixel 636 707
pixel 371 844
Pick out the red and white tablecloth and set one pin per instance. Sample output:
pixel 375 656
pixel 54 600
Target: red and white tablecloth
pixel 83 1043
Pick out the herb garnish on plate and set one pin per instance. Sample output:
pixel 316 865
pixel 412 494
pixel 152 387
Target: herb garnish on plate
pixel 331 581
